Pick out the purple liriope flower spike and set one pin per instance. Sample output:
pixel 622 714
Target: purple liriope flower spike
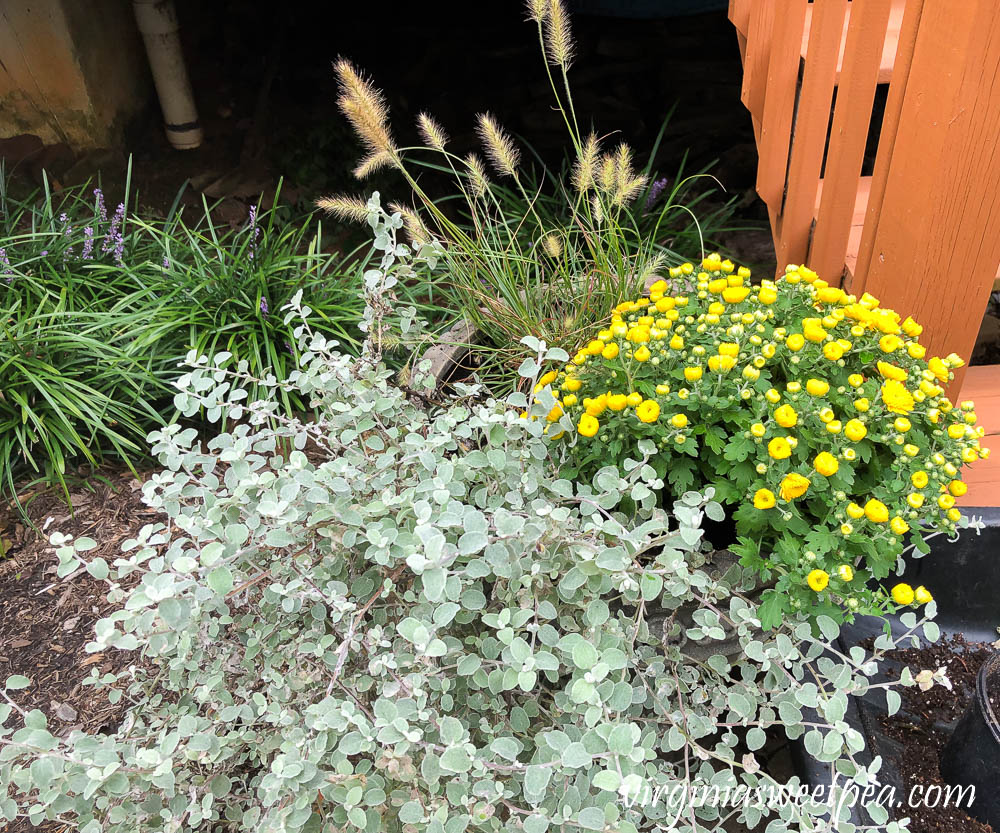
pixel 88 243
pixel 254 233
pixel 655 192
pixel 113 240
pixel 263 307
pixel 5 266
pixel 102 210
pixel 166 262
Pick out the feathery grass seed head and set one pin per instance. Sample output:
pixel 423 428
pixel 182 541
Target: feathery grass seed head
pixel 558 38
pixel 500 148
pixel 478 181
pixel 585 166
pixel 352 209
pixel 432 132
pixel 552 245
pixel 365 108
pixel 538 10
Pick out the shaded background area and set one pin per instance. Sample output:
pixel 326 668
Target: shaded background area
pixel 266 95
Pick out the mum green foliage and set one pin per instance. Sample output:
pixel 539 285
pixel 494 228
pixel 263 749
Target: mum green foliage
pixel 400 619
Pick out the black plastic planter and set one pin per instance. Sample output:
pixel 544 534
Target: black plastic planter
pixel 972 755
pixel 961 575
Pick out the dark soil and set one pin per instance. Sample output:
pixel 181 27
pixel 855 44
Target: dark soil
pixel 923 725
pixel 46 622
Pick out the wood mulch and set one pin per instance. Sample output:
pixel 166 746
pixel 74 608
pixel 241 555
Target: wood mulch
pixel 46 622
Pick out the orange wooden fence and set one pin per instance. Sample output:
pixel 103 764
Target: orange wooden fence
pixel 921 229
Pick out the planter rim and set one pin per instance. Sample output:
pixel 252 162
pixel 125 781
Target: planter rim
pixel 983 695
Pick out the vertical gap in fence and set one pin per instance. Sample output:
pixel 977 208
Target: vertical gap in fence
pixel 779 105
pixel 937 245
pixel 887 140
pixel 810 129
pixel 859 74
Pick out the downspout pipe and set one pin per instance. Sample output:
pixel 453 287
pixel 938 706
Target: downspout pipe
pixel 157 21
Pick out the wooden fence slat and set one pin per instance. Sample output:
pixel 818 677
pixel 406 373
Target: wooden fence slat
pixel 809 132
pixel 739 15
pixel 757 56
pixel 887 140
pixel 866 36
pixel 937 245
pixel 779 105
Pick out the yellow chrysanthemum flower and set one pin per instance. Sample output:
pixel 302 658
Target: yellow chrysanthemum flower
pixel 890 371
pixel 617 401
pixel 826 464
pixel 779 449
pixel 896 397
pixel 939 369
pixel 817 387
pixel 818 580
pixel 588 425
pixel 902 594
pixel 793 486
pixel 648 411
pixel 764 499
pixel 786 416
pixel 855 430
pixel 876 511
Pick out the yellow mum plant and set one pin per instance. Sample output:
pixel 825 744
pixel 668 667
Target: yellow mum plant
pixel 812 412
